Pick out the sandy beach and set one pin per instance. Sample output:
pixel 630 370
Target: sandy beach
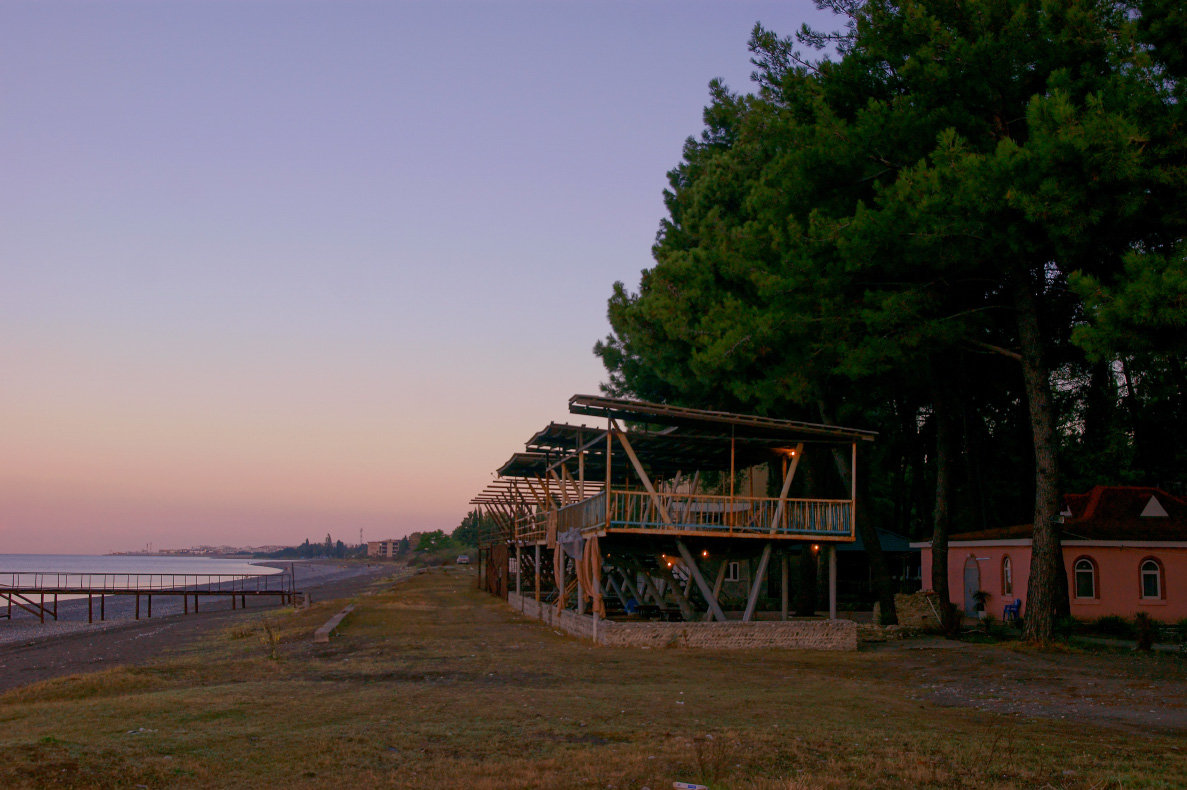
pixel 31 651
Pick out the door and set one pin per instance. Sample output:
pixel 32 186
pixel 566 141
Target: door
pixel 972 583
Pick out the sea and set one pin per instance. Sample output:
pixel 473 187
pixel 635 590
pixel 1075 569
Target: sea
pixel 127 563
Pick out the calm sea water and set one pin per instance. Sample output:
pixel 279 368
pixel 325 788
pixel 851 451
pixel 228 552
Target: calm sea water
pixel 84 563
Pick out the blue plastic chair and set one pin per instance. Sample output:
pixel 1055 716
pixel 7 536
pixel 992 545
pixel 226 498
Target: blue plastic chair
pixel 1012 611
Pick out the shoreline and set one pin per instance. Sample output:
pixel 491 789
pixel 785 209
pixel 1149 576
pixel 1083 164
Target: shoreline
pixel 31 653
pixel 26 629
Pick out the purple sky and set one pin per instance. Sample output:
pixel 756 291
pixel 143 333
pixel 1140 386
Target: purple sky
pixel 275 269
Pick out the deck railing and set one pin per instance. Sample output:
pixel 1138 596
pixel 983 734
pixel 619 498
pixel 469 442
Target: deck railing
pixel 724 514
pixel 701 513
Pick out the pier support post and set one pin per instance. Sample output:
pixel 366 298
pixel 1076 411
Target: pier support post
pixel 150 605
pixel 90 608
pixel 103 607
pixel 137 606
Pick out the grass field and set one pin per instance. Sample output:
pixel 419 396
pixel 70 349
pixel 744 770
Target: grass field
pixel 433 684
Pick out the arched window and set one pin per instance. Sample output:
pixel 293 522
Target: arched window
pixel 1151 574
pixel 1085 570
pixel 1007 576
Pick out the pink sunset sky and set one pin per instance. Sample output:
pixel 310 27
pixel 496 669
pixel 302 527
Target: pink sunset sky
pixel 275 269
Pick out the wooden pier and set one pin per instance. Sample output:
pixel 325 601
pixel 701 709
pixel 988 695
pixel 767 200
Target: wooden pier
pixel 38 592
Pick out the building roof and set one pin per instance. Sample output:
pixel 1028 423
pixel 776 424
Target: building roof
pixel 716 423
pixel 662 452
pixel 1108 513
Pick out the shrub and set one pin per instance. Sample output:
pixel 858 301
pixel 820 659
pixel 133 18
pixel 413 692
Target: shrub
pixel 987 623
pixel 1114 626
pixel 1065 627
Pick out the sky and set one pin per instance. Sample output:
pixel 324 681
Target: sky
pixel 271 269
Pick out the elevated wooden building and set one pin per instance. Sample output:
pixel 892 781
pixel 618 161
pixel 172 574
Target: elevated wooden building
pixel 665 507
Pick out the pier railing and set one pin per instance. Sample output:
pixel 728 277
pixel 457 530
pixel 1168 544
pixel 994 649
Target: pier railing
pixel 37 592
pixel 73 582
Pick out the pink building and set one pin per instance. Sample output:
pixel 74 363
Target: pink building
pixel 1125 550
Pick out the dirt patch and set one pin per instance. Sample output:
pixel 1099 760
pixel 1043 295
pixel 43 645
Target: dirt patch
pixel 1125 689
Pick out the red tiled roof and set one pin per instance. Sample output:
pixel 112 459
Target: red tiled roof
pixel 1107 513
pixel 1115 513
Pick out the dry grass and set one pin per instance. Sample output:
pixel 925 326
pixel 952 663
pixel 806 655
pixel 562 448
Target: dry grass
pixel 433 684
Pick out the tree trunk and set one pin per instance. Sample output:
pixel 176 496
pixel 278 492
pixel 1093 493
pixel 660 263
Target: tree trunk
pixel 1046 559
pixel 941 520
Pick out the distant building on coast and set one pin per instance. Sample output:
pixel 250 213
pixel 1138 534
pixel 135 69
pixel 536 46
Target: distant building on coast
pixel 384 548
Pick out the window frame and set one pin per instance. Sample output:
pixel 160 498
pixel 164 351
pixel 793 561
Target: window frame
pixel 1007 575
pixel 733 571
pixel 1159 574
pixel 1094 570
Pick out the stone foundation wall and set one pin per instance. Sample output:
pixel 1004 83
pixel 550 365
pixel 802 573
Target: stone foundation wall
pixel 790 634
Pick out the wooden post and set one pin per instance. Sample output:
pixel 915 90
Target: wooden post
pixel 756 583
pixel 644 478
pixel 832 580
pixel 581 465
pixel 732 449
pixel 537 572
pixel 102 606
pixel 185 599
pixel 609 456
pixel 559 572
pixel 784 562
pixel 195 603
pixel 684 604
pixel 704 587
pixel 853 492
pixel 42 608
pixel 90 608
pixel 717 586
pixel 788 476
pixel 137 606
pixel 518 569
pixel 150 605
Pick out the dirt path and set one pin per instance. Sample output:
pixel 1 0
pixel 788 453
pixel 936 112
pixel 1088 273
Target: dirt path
pixel 54 650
